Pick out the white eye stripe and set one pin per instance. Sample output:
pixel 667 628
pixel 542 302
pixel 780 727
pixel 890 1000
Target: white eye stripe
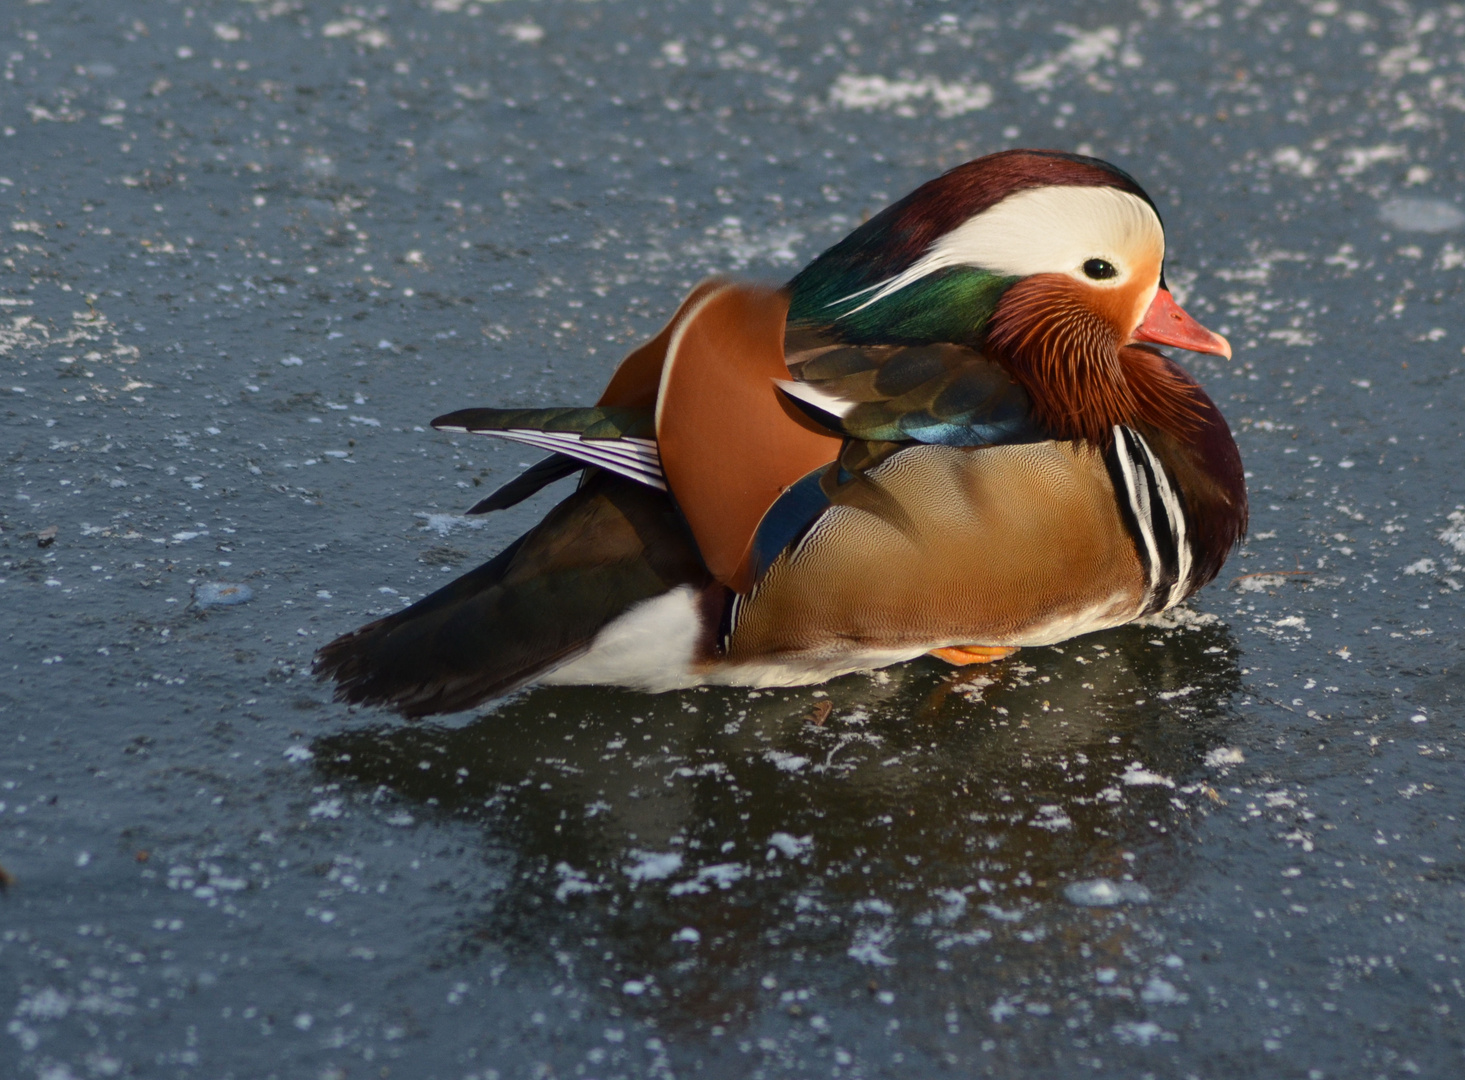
pixel 1041 231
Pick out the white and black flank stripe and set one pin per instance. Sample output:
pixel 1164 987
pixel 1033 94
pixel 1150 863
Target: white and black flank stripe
pixel 1155 514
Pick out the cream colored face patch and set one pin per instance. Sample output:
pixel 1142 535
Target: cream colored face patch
pixel 1052 230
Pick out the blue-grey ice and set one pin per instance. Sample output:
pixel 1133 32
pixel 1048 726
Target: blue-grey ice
pixel 251 259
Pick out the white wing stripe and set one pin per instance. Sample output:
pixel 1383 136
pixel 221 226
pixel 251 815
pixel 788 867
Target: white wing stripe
pixel 570 443
pixel 635 459
pixel 817 397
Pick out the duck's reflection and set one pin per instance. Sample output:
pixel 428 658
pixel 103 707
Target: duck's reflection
pixel 687 848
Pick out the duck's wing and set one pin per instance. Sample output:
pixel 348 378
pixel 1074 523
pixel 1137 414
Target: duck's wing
pixel 751 445
pixel 720 436
pixel 938 393
pixel 883 399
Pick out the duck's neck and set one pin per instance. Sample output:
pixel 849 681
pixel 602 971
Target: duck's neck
pixel 1205 466
pixel 1082 381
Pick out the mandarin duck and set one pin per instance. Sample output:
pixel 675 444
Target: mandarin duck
pixel 951 433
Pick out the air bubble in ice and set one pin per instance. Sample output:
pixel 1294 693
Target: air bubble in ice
pixel 221 594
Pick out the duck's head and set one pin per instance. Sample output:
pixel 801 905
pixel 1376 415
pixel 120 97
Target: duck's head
pixel 1052 263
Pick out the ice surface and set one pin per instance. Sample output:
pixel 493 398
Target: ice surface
pixel 448 203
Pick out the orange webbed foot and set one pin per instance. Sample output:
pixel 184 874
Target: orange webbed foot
pixel 961 655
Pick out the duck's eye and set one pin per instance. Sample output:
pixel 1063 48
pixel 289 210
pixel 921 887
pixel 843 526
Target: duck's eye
pixel 1100 269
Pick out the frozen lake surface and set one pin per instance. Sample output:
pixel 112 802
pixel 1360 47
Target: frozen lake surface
pixel 251 247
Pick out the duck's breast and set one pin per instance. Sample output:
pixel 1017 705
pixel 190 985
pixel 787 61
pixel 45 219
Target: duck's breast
pixel 1001 545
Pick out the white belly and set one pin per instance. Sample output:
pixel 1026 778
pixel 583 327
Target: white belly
pixel 653 646
pixel 650 647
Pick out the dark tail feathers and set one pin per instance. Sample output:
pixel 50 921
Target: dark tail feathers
pixel 536 605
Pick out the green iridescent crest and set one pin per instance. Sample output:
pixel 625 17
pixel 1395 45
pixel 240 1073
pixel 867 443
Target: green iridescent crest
pixel 952 304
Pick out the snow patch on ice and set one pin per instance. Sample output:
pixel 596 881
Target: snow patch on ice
pixel 1051 818
pixel 1160 991
pixel 721 876
pixel 1454 533
pixel 869 945
pixel 1357 159
pixel 1142 1033
pixel 1178 618
pixel 1084 52
pixel 1102 892
pixel 443 524
pixel 872 92
pixel 730 243
pixel 1260 582
pixel 789 845
pixel 785 761
pixel 652 866
pixel 1422 215
pixel 1137 775
pixel 572 882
